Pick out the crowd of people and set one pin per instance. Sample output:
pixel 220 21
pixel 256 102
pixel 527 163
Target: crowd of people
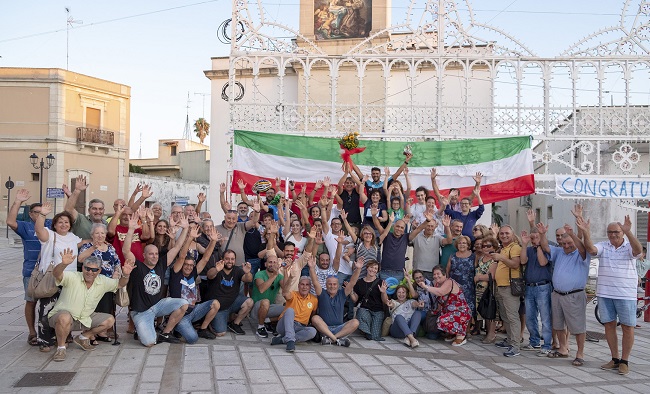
pixel 321 268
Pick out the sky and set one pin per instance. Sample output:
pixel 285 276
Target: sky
pixel 161 48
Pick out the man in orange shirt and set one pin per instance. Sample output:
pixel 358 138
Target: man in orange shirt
pixel 298 310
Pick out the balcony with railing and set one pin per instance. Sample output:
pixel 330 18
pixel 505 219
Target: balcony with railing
pixel 95 136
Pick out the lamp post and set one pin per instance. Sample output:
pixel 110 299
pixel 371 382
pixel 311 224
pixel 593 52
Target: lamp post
pixel 33 158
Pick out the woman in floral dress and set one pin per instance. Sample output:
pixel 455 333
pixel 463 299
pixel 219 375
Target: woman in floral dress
pixel 454 314
pixel 461 269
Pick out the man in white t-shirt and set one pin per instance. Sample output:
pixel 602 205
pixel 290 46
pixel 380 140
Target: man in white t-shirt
pixel 617 283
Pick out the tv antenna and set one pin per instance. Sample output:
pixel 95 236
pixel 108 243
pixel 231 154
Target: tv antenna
pixel 203 94
pixel 70 22
pixel 186 133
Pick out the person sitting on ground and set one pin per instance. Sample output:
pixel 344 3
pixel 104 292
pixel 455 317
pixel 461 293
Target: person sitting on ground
pixel 329 320
pixel 224 287
pixel 371 295
pixel 80 294
pixel 110 265
pixel 453 313
pixel 182 284
pixel 299 308
pixel 267 283
pixel 147 301
pixel 406 318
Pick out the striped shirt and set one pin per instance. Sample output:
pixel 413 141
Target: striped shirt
pixel 617 276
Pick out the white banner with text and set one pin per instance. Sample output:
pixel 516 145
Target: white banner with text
pixel 577 186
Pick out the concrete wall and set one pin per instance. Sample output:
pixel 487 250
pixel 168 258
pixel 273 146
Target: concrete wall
pixel 167 191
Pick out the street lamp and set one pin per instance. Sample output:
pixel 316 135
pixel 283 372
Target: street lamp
pixel 33 158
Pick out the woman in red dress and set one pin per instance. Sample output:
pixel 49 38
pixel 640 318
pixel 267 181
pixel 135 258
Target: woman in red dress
pixel 453 312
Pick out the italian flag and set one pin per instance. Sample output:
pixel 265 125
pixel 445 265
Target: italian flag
pixel 506 163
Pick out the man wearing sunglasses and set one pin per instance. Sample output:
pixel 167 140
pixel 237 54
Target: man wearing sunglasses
pixel 80 294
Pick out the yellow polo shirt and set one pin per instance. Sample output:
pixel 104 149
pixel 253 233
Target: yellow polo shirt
pixel 80 300
pixel 303 307
pixel 501 275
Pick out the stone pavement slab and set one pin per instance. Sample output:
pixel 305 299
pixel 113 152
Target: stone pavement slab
pixel 248 364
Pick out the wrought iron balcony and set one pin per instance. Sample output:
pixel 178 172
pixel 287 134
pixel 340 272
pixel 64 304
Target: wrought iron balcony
pixel 95 136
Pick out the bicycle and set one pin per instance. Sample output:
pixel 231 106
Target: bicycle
pixel 642 304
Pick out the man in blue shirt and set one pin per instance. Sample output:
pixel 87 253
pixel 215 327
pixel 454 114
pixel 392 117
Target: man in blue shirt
pixel 331 303
pixel 568 300
pixel 538 276
pixel 31 251
pixel 466 216
pixel 329 320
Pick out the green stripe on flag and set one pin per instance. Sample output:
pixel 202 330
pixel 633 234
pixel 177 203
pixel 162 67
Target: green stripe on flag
pixel 385 153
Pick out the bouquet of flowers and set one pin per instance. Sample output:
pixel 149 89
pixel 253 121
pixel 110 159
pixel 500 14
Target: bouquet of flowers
pixel 349 144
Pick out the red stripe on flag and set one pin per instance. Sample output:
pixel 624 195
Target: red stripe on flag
pixel 496 192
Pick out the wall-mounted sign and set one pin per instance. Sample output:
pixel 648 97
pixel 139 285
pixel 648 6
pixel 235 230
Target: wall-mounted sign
pixel 576 186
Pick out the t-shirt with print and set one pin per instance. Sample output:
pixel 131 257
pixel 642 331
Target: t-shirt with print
pixel 184 287
pixel 225 286
pixel 136 245
pixel 146 285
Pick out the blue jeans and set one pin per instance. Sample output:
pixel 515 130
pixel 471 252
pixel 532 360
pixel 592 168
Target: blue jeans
pixel 144 321
pixel 220 322
pixel 255 265
pixel 385 274
pixel 538 301
pixel 291 330
pixel 185 328
pixel 401 328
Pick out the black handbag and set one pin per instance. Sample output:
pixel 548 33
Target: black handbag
pixel 487 305
pixel 517 285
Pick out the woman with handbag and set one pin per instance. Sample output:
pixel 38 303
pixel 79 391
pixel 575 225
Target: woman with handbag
pixel 110 266
pixel 485 266
pixel 453 312
pixel 370 292
pixel 53 242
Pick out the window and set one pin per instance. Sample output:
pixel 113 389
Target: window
pixel 538 214
pixel 36 176
pixel 173 150
pixel 93 118
pixel 549 212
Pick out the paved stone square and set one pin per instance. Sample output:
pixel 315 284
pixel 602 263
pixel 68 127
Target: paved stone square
pixel 248 364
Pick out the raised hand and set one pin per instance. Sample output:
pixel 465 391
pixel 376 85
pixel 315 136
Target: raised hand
pixel 142 211
pixel 444 201
pixel 434 173
pixel 392 217
pixel 495 229
pixel 477 178
pixel 22 195
pixel 201 197
pixel 374 211
pixel 222 186
pixel 358 265
pixel 406 171
pixel 80 184
pixel 67 256
pixel 326 182
pixel 383 286
pixel 577 211
pixel 446 220
pixel 319 184
pixel 340 238
pixel 128 267
pixel 408 276
pixel 194 230
pixel 219 265
pixel 409 201
pixel 138 188
pixel 227 205
pixel 530 215
pixel 525 238
pixel 344 215
pixel 46 209
pixel 292 184
pixel 150 214
pixel 541 228
pixel 66 190
pixel 409 156
pixel 246 267
pixel 568 229
pixel 311 262
pixel 584 225
pixel 387 171
pixel 256 207
pixel 182 221
pixel 627 224
pixel 365 179
pixel 133 221
pixel 146 191
pixel 319 238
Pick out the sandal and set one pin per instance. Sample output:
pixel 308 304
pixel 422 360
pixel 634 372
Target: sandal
pixel 32 340
pixel 578 362
pixel 557 354
pixel 94 342
pixel 102 339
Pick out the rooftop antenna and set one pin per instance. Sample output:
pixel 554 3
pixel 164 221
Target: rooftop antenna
pixel 70 22
pixel 140 152
pixel 186 133
pixel 203 94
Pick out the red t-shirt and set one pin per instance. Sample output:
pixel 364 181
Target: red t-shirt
pixel 137 248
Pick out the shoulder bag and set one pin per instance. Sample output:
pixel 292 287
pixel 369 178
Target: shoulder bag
pixel 517 285
pixel 43 284
pixel 487 305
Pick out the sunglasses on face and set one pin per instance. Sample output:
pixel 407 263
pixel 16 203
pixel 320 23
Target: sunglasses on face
pixel 92 269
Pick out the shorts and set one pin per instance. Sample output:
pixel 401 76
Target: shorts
pixel 336 329
pixel 569 310
pixel 610 309
pixel 97 318
pixel 26 285
pixel 275 310
pixel 220 322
